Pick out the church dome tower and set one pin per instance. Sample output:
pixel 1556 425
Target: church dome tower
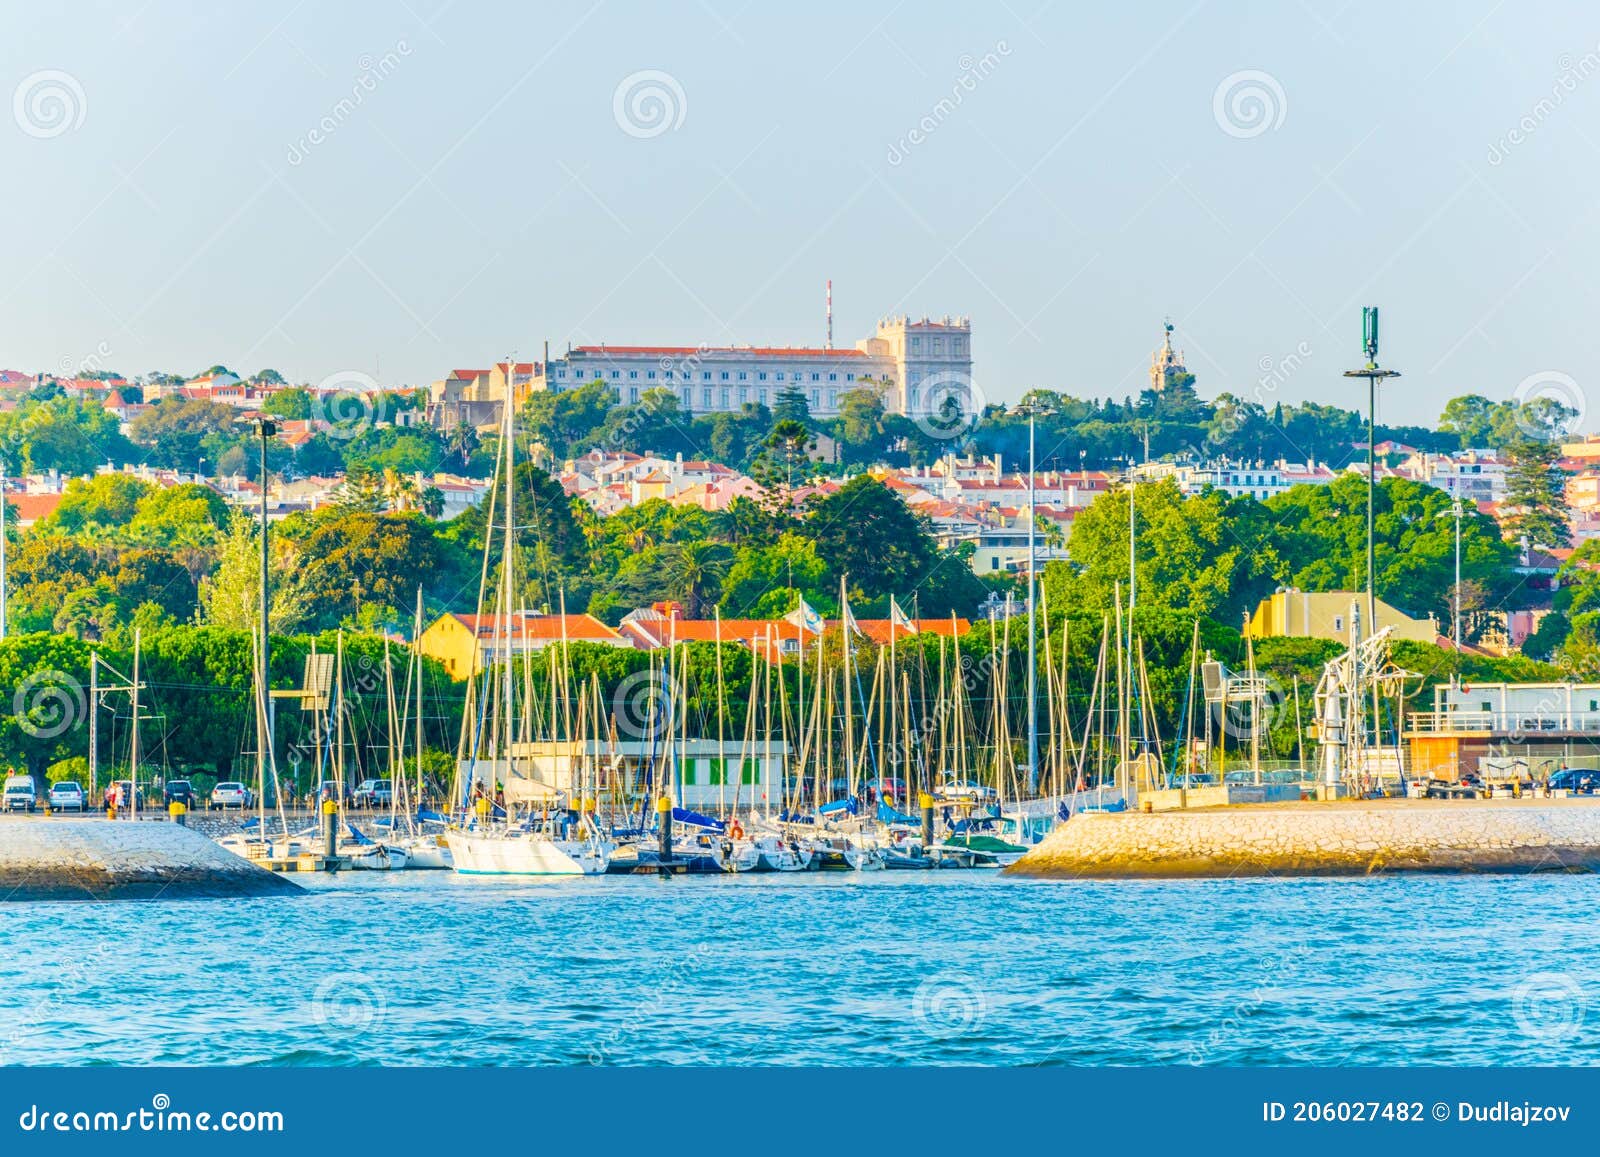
pixel 1166 364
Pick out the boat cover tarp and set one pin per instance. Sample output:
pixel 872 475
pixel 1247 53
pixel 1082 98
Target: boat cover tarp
pixel 427 815
pixel 355 836
pixel 887 815
pixel 837 806
pixel 695 819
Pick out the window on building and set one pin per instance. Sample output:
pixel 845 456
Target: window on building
pixel 724 396
pixel 717 772
pixel 634 374
pixel 724 375
pixel 833 399
pixel 750 773
pixel 705 398
pixel 615 374
pixel 633 393
pixel 688 397
pixel 833 377
pixel 744 393
pixel 849 377
pixel 1338 622
pixel 816 377
pixel 763 396
pixel 651 374
pixel 816 399
pixel 761 377
pixel 705 375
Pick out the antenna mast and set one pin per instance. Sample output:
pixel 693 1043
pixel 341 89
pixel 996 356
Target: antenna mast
pixel 830 313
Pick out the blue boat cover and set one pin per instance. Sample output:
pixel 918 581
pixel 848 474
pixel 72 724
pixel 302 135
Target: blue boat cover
pixel 839 805
pixel 424 815
pixel 887 815
pixel 695 819
pixel 355 836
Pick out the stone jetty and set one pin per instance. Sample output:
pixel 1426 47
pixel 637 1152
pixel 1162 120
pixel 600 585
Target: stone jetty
pixel 96 859
pixel 1351 838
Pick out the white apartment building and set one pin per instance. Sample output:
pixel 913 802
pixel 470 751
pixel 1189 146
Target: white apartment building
pixel 1259 480
pixel 1474 475
pixel 920 366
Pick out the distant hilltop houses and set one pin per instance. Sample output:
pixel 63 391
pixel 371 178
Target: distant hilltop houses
pixel 917 366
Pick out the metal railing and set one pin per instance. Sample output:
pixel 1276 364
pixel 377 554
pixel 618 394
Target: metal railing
pixel 1529 723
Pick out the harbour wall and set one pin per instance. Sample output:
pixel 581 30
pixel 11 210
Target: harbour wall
pixel 1324 839
pixel 93 859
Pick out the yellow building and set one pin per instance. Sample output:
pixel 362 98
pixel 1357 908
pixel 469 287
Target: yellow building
pixel 1326 615
pixel 466 644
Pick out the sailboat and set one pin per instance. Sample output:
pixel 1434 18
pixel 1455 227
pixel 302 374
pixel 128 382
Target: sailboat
pixel 537 833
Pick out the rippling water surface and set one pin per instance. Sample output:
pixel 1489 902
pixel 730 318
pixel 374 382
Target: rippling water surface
pixel 952 968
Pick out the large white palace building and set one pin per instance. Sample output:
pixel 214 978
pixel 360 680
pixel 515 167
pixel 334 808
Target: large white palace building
pixel 918 366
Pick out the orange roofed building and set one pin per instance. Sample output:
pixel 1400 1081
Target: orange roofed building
pixel 466 644
pixel 663 624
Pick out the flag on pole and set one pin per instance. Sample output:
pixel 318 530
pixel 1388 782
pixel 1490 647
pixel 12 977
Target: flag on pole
pixel 897 617
pixel 850 623
pixel 805 618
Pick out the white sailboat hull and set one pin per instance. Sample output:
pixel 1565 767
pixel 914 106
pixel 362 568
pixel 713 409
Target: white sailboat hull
pixel 493 853
pixel 428 852
pixel 374 857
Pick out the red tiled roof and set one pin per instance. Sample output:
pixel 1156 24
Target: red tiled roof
pixel 578 628
pixel 33 507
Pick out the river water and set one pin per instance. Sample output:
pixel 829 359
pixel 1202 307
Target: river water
pixel 944 968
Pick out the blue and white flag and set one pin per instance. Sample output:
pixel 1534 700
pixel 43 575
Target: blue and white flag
pixel 897 617
pixel 805 618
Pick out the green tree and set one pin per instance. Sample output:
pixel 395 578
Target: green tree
pixel 230 597
pixel 1535 510
pixel 293 404
pixel 564 419
pixel 693 572
pixel 1205 555
pixel 175 431
pixel 767 582
pixel 102 503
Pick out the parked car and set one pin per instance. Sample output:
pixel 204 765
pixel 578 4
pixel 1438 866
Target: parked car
pixel 972 791
pixel 1577 780
pixel 372 793
pixel 178 791
pixel 20 794
pixel 231 793
pixel 68 796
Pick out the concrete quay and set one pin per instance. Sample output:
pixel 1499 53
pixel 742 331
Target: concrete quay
pixel 1344 838
pixel 95 859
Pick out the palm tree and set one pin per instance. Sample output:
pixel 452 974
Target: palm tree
pixel 462 442
pixel 693 574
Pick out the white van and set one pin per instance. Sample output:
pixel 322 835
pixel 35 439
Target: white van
pixel 21 795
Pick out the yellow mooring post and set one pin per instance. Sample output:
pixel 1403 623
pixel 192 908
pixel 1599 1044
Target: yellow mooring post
pixel 927 821
pixel 330 828
pixel 664 834
pixel 176 812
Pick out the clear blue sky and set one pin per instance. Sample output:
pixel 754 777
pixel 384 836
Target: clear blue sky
pixel 482 197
